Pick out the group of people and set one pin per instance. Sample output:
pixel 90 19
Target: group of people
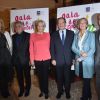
pixel 39 49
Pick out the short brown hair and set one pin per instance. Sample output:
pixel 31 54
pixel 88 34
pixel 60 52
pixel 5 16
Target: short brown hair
pixel 60 19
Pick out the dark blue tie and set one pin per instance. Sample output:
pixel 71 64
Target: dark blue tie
pixel 63 37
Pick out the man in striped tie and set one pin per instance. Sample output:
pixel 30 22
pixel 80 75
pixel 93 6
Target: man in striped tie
pixel 61 54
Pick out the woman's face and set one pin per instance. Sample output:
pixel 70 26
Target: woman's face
pixel 83 24
pixel 40 27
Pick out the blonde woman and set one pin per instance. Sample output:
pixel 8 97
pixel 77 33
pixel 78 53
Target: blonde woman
pixel 5 59
pixel 84 47
pixel 40 55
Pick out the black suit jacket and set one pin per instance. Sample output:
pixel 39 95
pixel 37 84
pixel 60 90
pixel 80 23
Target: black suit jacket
pixel 21 52
pixel 59 52
pixel 97 52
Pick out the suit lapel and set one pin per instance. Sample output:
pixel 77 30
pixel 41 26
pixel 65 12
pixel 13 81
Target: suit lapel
pixel 22 40
pixel 67 38
pixel 58 37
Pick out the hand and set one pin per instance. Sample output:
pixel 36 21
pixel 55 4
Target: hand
pixel 32 63
pixel 53 62
pixel 84 54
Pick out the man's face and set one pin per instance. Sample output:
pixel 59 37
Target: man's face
pixel 98 20
pixel 19 28
pixel 61 24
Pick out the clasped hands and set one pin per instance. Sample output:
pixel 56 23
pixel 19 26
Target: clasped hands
pixel 83 54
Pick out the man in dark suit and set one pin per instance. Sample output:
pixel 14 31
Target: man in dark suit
pixel 61 54
pixel 21 57
pixel 97 57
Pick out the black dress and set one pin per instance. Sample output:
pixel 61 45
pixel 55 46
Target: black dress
pixel 5 64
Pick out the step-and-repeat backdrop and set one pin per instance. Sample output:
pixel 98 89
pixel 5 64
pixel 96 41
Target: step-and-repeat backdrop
pixel 73 13
pixel 28 16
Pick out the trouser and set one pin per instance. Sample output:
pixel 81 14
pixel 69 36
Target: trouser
pixel 86 90
pixel 98 85
pixel 4 79
pixel 42 68
pixel 63 78
pixel 23 72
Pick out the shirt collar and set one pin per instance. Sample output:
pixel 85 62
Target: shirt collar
pixel 83 34
pixel 60 31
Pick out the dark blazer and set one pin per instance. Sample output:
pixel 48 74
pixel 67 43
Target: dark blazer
pixel 21 51
pixel 97 52
pixel 59 52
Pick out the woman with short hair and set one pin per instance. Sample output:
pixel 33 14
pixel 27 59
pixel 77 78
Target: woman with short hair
pixel 84 47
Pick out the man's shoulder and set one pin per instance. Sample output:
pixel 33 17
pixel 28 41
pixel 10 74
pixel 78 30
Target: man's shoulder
pixel 14 35
pixel 97 31
pixel 55 33
pixel 70 31
pixel 26 33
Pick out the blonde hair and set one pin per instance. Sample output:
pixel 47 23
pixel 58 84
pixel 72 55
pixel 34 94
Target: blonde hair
pixel 36 23
pixel 2 26
pixel 78 22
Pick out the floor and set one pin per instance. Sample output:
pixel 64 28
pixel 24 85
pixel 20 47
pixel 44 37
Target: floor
pixel 75 91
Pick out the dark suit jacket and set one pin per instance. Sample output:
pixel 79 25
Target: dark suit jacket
pixel 97 52
pixel 21 51
pixel 59 52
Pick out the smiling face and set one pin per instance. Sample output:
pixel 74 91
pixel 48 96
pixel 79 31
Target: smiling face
pixel 19 28
pixel 61 24
pixel 40 27
pixel 83 24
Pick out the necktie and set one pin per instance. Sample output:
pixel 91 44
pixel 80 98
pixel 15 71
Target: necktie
pixel 63 37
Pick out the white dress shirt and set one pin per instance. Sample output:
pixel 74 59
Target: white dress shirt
pixel 60 33
pixel 80 41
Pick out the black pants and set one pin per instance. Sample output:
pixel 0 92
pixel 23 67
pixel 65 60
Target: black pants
pixel 63 78
pixel 98 85
pixel 86 90
pixel 23 72
pixel 42 68
pixel 4 79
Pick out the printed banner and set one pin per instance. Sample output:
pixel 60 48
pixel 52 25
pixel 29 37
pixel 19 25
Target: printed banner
pixel 73 13
pixel 28 16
